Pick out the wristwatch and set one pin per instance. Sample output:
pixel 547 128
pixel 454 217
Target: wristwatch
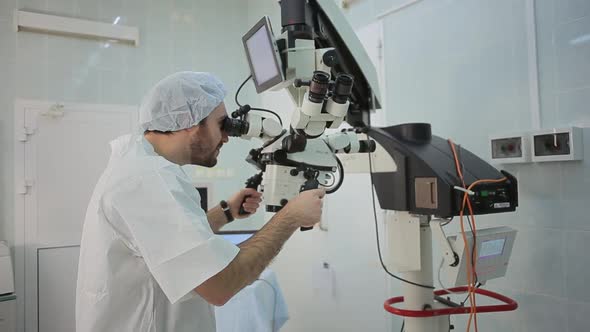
pixel 225 208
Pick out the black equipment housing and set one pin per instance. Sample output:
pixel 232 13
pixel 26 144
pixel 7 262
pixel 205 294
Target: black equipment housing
pixel 426 167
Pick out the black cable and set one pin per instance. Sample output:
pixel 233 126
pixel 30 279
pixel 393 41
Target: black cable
pixel 268 111
pixel 465 301
pixel 377 235
pixel 377 226
pixel 240 88
pixel 447 222
pixel 340 180
pixel 274 139
pixel 472 259
pixel 467 297
pixel 473 246
pixel 254 108
pixel 403 325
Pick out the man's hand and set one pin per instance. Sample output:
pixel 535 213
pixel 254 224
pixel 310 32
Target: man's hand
pixel 305 209
pixel 251 204
pixel 257 252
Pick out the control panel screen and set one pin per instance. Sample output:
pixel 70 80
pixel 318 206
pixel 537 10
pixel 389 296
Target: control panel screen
pixel 491 248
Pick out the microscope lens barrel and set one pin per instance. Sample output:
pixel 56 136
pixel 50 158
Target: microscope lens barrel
pixel 319 86
pixel 342 88
pixel 364 146
pixel 367 146
pixel 235 127
pixel 292 13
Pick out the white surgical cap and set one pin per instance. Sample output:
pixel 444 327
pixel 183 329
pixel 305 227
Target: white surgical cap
pixel 180 101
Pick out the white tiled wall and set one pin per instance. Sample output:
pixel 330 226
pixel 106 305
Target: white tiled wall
pixel 463 66
pixel 565 91
pixel 460 65
pixel 175 35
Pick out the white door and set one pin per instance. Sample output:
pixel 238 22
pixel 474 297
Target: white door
pixel 60 153
pixel 57 272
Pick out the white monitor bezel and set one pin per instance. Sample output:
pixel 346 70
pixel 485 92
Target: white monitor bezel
pixel 264 22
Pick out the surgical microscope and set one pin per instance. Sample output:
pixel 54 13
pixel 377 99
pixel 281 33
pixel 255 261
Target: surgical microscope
pixel 422 181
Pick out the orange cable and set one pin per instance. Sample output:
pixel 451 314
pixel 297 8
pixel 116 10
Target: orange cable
pixel 470 272
pixel 471 266
pixel 469 206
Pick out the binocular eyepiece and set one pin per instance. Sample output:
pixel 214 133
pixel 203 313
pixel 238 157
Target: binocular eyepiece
pixel 235 127
pixel 342 88
pixel 320 85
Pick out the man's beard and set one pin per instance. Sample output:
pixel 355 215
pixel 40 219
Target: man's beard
pixel 201 157
pixel 208 162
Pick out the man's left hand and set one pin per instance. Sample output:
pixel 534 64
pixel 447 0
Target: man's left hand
pixel 250 204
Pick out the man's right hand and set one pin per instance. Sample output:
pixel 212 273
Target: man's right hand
pixel 256 253
pixel 305 210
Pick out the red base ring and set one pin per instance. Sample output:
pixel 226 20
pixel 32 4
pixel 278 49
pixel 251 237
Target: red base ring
pixel 509 305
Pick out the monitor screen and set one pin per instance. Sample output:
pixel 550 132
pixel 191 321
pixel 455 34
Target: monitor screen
pixel 263 56
pixel 491 248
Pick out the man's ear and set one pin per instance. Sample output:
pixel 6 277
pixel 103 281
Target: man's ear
pixel 194 129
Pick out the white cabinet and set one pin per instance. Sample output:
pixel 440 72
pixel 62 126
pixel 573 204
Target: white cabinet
pixel 7 314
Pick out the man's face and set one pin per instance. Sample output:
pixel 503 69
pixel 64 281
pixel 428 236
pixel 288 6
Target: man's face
pixel 207 138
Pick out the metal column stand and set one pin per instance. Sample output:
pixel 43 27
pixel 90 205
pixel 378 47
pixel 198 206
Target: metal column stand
pixel 410 242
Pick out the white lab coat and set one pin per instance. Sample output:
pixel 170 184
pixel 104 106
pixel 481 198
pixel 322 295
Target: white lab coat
pixel 146 245
pixel 259 307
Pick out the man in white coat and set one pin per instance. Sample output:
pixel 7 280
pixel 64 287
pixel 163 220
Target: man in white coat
pixel 149 258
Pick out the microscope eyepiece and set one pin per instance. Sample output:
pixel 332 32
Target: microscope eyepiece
pixel 235 127
pixel 342 88
pixel 244 109
pixel 319 86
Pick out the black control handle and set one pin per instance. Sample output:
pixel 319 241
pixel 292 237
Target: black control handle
pixel 310 184
pixel 253 183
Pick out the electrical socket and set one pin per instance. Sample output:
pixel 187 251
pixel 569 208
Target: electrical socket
pixel 562 144
pixel 510 149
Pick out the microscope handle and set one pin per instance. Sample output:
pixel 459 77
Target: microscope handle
pixel 243 212
pixel 252 183
pixel 309 185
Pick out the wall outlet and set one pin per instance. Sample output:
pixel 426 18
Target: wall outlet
pixel 510 149
pixel 563 144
